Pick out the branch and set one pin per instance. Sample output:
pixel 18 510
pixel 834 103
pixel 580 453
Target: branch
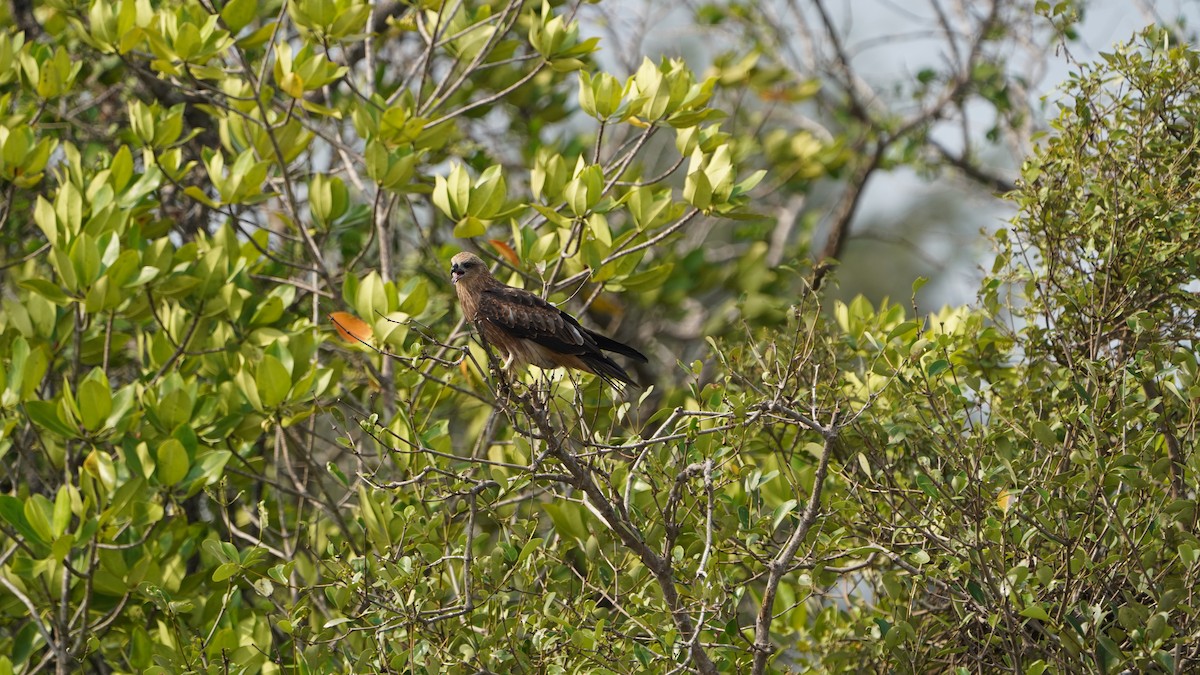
pixel 973 171
pixel 842 215
pixel 1174 451
pixel 37 620
pixel 618 521
pixel 782 561
pixel 708 520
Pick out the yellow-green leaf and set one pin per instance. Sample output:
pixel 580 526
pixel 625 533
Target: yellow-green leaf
pixel 95 403
pixel 273 381
pixel 172 463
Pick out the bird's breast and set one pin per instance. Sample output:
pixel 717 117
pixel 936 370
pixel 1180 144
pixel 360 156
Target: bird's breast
pixel 467 300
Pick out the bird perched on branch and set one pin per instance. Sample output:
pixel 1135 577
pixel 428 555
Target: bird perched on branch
pixel 530 330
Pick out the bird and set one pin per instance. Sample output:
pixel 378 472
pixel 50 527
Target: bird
pixel 531 331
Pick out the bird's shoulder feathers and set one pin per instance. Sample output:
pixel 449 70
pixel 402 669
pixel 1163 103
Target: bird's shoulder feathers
pixel 528 316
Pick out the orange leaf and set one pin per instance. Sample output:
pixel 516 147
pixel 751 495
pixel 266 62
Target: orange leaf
pixel 352 329
pixel 1005 500
pixel 506 251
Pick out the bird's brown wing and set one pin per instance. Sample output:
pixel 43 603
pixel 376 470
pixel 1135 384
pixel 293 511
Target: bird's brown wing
pixel 525 316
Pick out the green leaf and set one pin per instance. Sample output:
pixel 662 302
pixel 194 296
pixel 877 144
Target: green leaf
pixel 12 511
pixel 237 14
pixel 488 194
pixel 697 190
pixel 45 414
pixel 217 550
pixel 24 642
pixel 175 408
pixel 95 400
pixel 414 297
pixel 452 194
pixel 272 380
pixel 650 279
pixel 245 381
pixel 1035 612
pixel 1044 434
pixel 61 260
pixel 46 219
pixel 85 257
pixel 47 290
pixel 225 571
pixel 337 473
pixel 470 227
pixel 927 485
pixel 36 366
pixel 61 547
pixel 172 462
pixel 749 183
pixel 902 329
pixel 200 196
pixel 371 299
pixel 599 227
pixel 144 276
pixel 39 512
pixel 1188 553
pixel 62 512
pixel 281 573
pixel 320 198
pixel 937 368
pixel 782 511
pixel 264 587
pixel 207 469
pixel 99 464
pixel 268 312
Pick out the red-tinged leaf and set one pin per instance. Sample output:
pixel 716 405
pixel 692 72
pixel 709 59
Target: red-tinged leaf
pixel 506 251
pixel 352 329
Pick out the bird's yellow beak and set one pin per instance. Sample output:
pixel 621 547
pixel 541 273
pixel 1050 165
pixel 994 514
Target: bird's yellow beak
pixel 456 273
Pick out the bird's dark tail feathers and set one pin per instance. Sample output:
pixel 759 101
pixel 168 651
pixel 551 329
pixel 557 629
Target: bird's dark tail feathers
pixel 608 370
pixel 610 345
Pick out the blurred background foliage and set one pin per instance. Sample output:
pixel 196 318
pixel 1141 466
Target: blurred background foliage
pixel 244 428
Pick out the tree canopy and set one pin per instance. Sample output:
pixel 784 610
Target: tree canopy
pixel 245 428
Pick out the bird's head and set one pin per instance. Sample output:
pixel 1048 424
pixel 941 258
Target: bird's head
pixel 467 266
